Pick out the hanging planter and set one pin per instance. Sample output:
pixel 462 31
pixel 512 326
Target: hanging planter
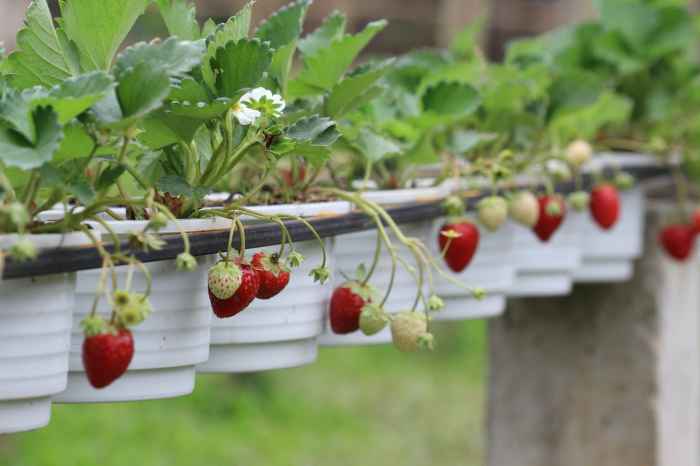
pixel 492 269
pixel 607 255
pixel 168 345
pixel 546 269
pixel 35 323
pixel 283 331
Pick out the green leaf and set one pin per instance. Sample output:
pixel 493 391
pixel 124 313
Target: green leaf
pixel 190 99
pixel 423 151
pixel 467 40
pixel 141 90
pixel 16 113
pixel 324 69
pixel 332 29
pixel 75 95
pixel 173 57
pixel 178 186
pixel 17 151
pixel 464 141
pixel 375 147
pixel 162 129
pixel 76 143
pixel 82 191
pixel 180 18
pixel 284 26
pixel 233 30
pixel 40 58
pixel 98 28
pixel 451 99
pixel 584 122
pixel 240 65
pixel 313 136
pixel 310 128
pixel 109 176
pixel 344 95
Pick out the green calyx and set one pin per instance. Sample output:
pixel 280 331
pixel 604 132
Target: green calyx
pixel 224 279
pixel 553 208
pixel 435 303
pixel 320 274
pixel 454 206
pixel 624 181
pixel 94 325
pixel 478 293
pixel 132 308
pixel 158 221
pixel 366 292
pixel 294 259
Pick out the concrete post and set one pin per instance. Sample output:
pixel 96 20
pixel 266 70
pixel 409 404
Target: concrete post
pixel 608 376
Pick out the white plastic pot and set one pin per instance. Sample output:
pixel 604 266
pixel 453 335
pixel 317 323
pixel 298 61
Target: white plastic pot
pixel 546 268
pixel 491 268
pixel 35 323
pixel 283 331
pixel 168 345
pixel 607 255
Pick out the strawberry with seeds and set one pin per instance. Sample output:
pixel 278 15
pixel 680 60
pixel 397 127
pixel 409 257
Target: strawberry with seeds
pixel 346 306
pixel 552 213
pixel 678 240
pixel 605 205
pixel 409 332
pixel 232 287
pixel 525 209
pixel 107 351
pixel 273 275
pixel 458 242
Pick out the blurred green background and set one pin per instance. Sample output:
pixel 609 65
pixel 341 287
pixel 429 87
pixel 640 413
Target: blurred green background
pixel 366 406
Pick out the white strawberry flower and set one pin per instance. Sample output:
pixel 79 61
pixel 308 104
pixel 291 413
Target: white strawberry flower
pixel 244 114
pixel 264 102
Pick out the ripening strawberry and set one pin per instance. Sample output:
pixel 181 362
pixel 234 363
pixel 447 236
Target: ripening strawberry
pixel 493 212
pixel 346 306
pixel 463 238
pixel 605 205
pixel 578 153
pixel 678 240
pixel 232 287
pixel 272 274
pixel 696 220
pixel 552 213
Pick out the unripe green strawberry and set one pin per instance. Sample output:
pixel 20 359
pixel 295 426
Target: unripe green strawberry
pixel 23 250
pixel 373 319
pixel 224 279
pixel 454 206
pixel 525 209
pixel 435 303
pixel 579 200
pixel 158 221
pixel 578 153
pixel 478 293
pixel 493 212
pixel 409 331
pixel 624 181
pixel 559 170
pixel 135 311
pixel 186 261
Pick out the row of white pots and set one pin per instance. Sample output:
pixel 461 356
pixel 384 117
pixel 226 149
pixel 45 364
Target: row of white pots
pixel 182 337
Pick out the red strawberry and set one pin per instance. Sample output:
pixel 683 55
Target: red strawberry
pixel 678 240
pixel 552 213
pixel 605 205
pixel 241 298
pixel 696 220
pixel 107 355
pixel 461 248
pixel 346 306
pixel 289 177
pixel 273 275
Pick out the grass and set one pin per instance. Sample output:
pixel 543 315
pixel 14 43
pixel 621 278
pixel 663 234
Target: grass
pixel 369 406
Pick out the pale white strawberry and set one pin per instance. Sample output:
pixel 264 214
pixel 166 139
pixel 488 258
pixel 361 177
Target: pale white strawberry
pixel 493 212
pixel 409 331
pixel 525 209
pixel 578 153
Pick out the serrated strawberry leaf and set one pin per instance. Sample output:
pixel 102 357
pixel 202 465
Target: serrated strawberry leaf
pixel 173 57
pixel 191 99
pixel 16 113
pixel 141 90
pixel 240 65
pixel 162 129
pixel 450 99
pixel 40 58
pixel 75 95
pixel 310 128
pixel 332 29
pixel 233 30
pixel 180 18
pixel 327 66
pixel 18 151
pixel 109 176
pixel 348 94
pixel 98 28
pixel 178 186
pixel 423 150
pixel 375 147
pixel 313 137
